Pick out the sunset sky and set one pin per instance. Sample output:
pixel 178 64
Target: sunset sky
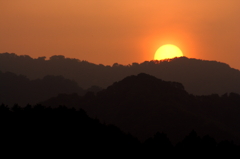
pixel 121 31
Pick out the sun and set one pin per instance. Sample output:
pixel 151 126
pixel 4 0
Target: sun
pixel 167 51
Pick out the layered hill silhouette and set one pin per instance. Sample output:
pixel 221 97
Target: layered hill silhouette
pixel 69 132
pixel 60 131
pixel 18 89
pixel 199 77
pixel 144 104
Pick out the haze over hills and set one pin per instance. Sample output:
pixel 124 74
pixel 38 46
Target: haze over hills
pixel 199 77
pixel 143 105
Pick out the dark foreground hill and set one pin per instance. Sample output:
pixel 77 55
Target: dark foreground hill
pixel 143 105
pixel 18 89
pixel 60 132
pixel 199 77
pixel 67 133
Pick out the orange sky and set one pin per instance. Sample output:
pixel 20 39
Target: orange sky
pixel 122 31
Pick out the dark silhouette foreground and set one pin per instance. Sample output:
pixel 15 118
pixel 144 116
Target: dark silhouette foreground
pixel 61 131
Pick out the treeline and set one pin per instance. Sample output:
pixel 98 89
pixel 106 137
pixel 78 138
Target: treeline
pixel 61 130
pixel 199 77
pixel 67 131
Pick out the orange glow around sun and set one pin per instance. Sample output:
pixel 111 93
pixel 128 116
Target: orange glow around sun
pixel 167 51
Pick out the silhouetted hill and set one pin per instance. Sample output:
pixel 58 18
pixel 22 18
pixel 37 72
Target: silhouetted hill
pixel 199 77
pixel 143 105
pixel 19 89
pixel 60 131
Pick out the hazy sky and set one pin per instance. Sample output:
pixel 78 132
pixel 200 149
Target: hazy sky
pixel 122 31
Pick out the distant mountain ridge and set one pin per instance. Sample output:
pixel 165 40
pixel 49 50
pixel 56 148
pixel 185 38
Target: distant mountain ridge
pixel 199 77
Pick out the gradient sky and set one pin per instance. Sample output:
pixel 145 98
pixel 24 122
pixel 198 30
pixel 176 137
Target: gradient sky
pixel 122 31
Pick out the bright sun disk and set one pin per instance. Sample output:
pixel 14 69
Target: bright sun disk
pixel 167 51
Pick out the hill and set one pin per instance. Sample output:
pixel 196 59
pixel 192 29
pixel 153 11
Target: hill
pixel 144 104
pixel 18 89
pixel 199 77
pixel 60 131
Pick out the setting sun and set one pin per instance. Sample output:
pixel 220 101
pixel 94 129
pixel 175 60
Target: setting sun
pixel 167 51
